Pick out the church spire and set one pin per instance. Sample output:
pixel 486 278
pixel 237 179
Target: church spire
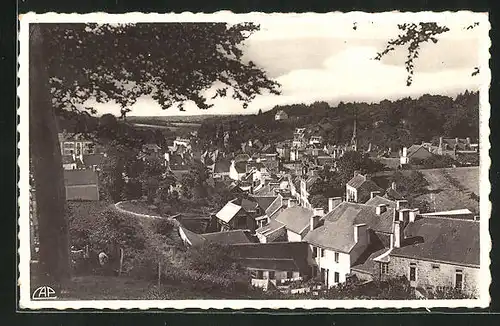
pixel 354 140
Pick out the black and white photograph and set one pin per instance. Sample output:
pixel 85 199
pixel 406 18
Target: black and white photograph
pixel 223 160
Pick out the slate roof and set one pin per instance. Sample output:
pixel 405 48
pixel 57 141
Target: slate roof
pixel 227 212
pixel 80 177
pixel 222 166
pixel 311 180
pixel 337 232
pixel 357 181
pixel 224 238
pixel 271 227
pixel 276 255
pixel 393 194
pixel 248 205
pixel 295 218
pixel 240 167
pixel 242 158
pixel 264 201
pixel 377 200
pixel 442 239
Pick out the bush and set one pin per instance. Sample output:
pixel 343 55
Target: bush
pixel 163 226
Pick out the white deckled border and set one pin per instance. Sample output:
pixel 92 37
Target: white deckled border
pixel 227 16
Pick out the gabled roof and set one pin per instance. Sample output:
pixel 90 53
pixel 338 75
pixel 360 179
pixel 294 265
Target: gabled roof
pixel 242 158
pixel 270 228
pixel 337 231
pixel 357 181
pixel 80 177
pixel 224 238
pixel 240 167
pixel 393 194
pixel 248 205
pixel 296 218
pixel 377 200
pixel 264 201
pixel 441 239
pixel 227 212
pixel 415 148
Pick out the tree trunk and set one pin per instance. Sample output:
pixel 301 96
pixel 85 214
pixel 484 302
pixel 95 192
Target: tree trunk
pixel 47 168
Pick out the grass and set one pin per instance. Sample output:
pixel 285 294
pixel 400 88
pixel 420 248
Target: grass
pixel 451 189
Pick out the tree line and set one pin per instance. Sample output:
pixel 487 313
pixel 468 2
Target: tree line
pixel 385 124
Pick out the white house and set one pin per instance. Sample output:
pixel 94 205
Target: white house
pixel 237 170
pixel 280 115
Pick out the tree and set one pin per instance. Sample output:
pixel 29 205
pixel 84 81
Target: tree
pixel 355 161
pixel 413 35
pixel 70 63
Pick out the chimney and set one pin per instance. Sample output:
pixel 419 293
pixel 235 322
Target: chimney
pixel 400 204
pixel 360 233
pixel 467 140
pixel 456 140
pixel 393 185
pixel 333 202
pixel 441 142
pixel 314 221
pixel 405 152
pixel 318 211
pixel 398 234
pixel 413 214
pixel 291 202
pixel 380 209
pixel 356 172
pixel 374 193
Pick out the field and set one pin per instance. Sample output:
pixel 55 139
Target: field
pixel 452 188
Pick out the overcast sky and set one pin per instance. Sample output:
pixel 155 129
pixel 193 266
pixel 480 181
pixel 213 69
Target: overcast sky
pixel 330 61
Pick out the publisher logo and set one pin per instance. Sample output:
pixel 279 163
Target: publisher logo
pixel 44 293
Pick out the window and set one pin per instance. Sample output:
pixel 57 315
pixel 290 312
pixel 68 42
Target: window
pixel 260 275
pixel 336 257
pixel 289 275
pixel 435 266
pixel 315 252
pixel 271 275
pixel 336 276
pixel 413 272
pixel 459 279
pixel 322 252
pixel 384 268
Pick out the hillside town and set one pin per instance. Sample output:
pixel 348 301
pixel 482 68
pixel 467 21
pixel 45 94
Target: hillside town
pixel 371 231
pixel 264 160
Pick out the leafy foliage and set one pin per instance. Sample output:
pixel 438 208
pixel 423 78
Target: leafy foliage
pixel 123 62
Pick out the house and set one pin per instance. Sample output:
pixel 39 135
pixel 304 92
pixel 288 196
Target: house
pixel 75 144
pixel 283 150
pixel 190 238
pixel 414 152
pixel 306 183
pixel 237 170
pixel 280 115
pixel 81 185
pixel 315 140
pixel 274 264
pixel 359 188
pixel 297 220
pixel 221 169
pixel 350 232
pixel 392 193
pixel 437 252
pixel 233 216
pixel 299 137
pixel 179 141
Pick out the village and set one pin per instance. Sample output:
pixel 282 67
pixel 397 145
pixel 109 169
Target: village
pixel 288 235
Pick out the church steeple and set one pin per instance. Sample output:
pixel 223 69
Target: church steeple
pixel 354 139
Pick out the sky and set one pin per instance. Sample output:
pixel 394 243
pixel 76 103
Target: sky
pixel 327 60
